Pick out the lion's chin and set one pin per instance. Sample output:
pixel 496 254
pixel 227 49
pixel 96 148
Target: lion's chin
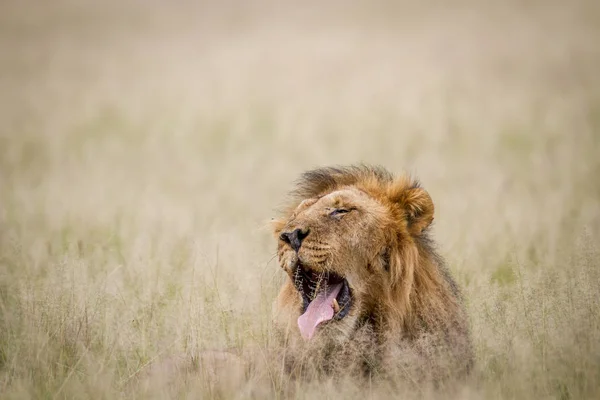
pixel 326 296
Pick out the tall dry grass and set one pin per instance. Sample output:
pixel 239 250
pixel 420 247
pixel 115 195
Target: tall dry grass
pixel 143 145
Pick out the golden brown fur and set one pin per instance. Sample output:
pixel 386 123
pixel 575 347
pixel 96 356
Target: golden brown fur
pixel 371 229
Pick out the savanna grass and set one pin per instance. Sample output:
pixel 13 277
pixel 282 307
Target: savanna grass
pixel 143 148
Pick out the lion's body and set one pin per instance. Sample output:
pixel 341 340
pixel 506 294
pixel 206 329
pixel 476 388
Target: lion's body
pixel 367 233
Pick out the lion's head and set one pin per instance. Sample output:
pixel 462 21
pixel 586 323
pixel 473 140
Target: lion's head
pixel 354 245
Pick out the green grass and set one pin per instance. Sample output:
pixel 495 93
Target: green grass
pixel 143 149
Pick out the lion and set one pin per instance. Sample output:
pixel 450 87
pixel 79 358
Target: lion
pixel 366 292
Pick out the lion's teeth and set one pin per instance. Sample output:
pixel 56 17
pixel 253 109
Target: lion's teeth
pixel 336 306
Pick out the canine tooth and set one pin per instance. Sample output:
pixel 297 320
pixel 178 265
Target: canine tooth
pixel 336 306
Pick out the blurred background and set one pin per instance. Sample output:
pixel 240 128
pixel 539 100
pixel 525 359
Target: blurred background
pixel 144 146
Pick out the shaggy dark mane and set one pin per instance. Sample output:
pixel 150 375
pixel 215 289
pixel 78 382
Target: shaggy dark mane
pixel 322 180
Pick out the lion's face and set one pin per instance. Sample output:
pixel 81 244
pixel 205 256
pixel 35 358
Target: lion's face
pixel 333 248
pixel 362 271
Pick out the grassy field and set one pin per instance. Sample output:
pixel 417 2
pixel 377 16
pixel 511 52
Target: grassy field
pixel 145 145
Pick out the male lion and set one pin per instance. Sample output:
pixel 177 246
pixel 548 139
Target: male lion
pixel 366 291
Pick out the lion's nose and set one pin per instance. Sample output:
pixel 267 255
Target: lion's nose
pixel 295 238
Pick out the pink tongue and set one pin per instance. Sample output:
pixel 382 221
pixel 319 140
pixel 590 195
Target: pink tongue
pixel 319 310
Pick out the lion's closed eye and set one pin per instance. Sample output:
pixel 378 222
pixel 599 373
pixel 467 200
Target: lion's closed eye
pixel 339 212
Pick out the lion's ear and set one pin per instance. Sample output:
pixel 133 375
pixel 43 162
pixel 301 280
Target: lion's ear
pixel 419 209
pixel 418 206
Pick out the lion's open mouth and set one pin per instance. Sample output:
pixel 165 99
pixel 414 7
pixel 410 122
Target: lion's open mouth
pixel 325 296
